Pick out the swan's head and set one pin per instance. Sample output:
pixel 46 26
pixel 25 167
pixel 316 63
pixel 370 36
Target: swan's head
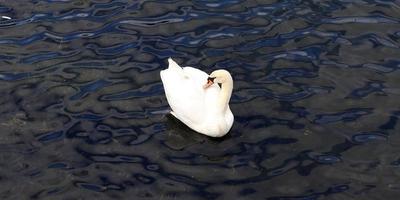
pixel 218 76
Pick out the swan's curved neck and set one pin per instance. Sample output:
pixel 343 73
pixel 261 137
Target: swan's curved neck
pixel 225 94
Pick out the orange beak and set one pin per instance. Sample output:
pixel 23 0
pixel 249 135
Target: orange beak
pixel 208 84
pixel 210 81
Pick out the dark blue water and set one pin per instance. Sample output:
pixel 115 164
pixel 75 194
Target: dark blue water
pixel 316 100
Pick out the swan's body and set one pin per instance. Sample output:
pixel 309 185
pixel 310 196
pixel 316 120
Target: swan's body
pixel 205 110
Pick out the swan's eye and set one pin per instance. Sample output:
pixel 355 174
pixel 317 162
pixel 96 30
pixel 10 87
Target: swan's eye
pixel 210 79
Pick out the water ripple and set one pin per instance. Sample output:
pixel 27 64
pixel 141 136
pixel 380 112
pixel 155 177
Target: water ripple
pixel 315 99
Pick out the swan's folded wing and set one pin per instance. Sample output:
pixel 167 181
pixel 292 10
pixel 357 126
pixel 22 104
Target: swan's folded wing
pixel 185 94
pixel 198 77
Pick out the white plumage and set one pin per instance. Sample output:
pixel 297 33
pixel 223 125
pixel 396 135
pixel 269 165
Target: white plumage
pixel 205 110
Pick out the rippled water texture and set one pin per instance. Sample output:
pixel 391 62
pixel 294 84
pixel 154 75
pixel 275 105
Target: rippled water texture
pixel 316 99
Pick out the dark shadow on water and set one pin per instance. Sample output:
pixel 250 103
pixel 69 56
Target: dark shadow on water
pixel 179 136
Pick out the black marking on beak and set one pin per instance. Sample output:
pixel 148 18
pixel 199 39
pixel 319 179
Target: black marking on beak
pixel 210 79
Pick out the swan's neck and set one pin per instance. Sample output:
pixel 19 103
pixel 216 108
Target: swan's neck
pixel 225 94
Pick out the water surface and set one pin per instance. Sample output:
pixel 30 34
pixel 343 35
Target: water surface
pixel 316 99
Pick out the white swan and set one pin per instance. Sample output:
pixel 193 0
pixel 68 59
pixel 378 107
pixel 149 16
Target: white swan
pixel 196 101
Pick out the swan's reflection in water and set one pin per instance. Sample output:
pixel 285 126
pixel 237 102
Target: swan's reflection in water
pixel 179 136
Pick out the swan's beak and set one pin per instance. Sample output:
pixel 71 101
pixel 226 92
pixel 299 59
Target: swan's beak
pixel 210 81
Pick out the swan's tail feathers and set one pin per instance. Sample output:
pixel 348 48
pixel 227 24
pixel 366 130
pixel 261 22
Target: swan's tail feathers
pixel 174 68
pixel 172 64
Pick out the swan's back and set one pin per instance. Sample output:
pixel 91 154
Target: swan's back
pixel 185 94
